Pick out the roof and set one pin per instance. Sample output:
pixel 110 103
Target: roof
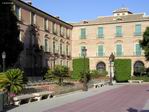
pixel 113 19
pixel 28 5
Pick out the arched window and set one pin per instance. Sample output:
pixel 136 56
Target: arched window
pixel 53 46
pixel 101 66
pixel 60 48
pixel 46 45
pixel 138 67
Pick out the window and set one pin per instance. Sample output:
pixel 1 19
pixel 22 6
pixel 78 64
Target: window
pixel 46 46
pixel 62 31
pixel 46 27
pixel 81 50
pixel 55 28
pixel 118 50
pixel 137 30
pixel 100 32
pixel 83 33
pixel 61 48
pixel 118 31
pixel 53 46
pixel 100 50
pixel 137 50
pixel 67 49
pixel 68 33
pixel 33 18
pixel 138 68
pixel 101 66
pixel 18 12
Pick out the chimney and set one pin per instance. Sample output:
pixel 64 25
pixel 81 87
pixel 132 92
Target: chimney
pixel 57 17
pixel 28 2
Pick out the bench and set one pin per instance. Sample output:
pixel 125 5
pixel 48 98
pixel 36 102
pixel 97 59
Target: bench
pixel 135 81
pixel 42 95
pixel 22 99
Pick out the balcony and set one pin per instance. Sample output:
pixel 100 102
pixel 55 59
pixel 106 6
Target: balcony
pixel 82 36
pixel 48 52
pixel 68 54
pixel 100 35
pixel 118 34
pixel 100 54
pixel 119 54
pixel 62 53
pixel 137 33
pixel 56 52
pixel 138 53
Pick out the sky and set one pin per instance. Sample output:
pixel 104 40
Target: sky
pixel 78 10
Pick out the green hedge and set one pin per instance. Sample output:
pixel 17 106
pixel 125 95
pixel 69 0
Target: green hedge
pixel 78 67
pixel 122 70
pixel 144 78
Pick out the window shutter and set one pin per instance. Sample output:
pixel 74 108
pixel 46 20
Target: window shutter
pixel 100 50
pixel 119 50
pixel 138 50
pixel 83 33
pixel 100 32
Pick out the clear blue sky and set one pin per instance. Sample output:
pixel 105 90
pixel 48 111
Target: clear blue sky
pixel 77 10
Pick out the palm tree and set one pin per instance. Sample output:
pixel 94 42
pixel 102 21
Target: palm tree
pixel 12 82
pixel 59 72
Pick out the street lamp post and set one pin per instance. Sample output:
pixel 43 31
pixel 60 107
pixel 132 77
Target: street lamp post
pixel 3 57
pixel 85 88
pixel 111 59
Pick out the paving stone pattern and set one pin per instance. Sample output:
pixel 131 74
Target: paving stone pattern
pixel 130 98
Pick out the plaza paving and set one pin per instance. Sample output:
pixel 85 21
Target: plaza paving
pixel 117 98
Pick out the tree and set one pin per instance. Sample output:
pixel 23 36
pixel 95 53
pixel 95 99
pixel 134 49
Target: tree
pixel 11 81
pixel 85 78
pixel 9 33
pixel 145 43
pixel 59 72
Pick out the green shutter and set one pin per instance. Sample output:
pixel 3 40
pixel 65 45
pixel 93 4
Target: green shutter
pixel 82 47
pixel 137 29
pixel 118 31
pixel 119 50
pixel 100 32
pixel 83 33
pixel 138 50
pixel 100 50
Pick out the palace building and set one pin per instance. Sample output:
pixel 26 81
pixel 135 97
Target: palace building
pixel 119 34
pixel 49 41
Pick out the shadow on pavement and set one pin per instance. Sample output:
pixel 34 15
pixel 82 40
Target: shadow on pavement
pixel 135 110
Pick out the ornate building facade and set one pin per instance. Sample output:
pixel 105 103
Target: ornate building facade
pixel 118 34
pixel 47 39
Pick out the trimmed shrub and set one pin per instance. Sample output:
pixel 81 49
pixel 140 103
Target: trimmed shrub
pixel 144 78
pixel 97 73
pixel 122 70
pixel 78 67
